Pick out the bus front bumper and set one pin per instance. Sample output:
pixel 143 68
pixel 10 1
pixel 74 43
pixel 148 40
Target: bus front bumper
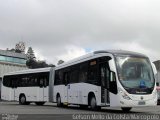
pixel 138 103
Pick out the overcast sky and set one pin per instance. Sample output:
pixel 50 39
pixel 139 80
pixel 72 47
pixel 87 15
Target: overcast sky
pixel 64 29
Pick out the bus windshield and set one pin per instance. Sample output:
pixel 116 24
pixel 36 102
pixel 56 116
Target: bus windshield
pixel 135 74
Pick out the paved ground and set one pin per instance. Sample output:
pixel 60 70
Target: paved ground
pixel 49 110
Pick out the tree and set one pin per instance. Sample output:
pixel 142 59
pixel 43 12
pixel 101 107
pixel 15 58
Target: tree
pixel 18 51
pixel 30 54
pixel 20 47
pixel 51 65
pixel 32 63
pixel 60 62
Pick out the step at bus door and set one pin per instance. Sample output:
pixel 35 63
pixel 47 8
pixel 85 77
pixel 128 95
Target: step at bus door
pixel 104 77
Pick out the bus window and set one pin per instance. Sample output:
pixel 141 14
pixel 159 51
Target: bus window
pixel 74 74
pixel 6 81
pixel 58 77
pixel 43 79
pixel 66 78
pixel 83 72
pixel 92 73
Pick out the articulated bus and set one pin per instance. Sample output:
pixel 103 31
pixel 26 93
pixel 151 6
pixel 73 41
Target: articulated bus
pixel 99 79
pixel 27 86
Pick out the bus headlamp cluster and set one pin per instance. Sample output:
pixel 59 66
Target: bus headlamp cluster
pixel 124 95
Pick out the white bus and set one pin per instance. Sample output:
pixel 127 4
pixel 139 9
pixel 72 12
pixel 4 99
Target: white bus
pixel 99 79
pixel 27 86
pixel 106 78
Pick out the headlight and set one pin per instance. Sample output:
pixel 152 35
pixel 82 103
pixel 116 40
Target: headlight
pixel 124 95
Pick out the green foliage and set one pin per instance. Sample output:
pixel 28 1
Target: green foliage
pixel 32 64
pixel 60 62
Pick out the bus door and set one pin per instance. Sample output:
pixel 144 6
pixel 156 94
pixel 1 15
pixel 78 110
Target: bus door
pixel 66 87
pixel 43 91
pixel 14 88
pixel 104 77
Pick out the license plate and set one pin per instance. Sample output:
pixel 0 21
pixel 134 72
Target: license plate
pixel 141 103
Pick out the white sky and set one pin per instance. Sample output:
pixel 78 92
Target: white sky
pixel 65 29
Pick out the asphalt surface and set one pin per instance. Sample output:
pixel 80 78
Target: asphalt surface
pixel 12 110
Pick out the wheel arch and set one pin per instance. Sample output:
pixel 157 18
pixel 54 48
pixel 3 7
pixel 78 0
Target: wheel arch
pixel 58 95
pixel 22 94
pixel 90 95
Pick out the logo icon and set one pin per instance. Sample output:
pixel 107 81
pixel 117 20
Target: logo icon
pixel 142 98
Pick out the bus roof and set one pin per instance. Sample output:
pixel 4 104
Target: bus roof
pixel 47 69
pixel 121 52
pixel 113 52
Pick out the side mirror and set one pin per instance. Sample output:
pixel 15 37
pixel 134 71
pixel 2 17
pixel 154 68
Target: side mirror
pixel 157 84
pixel 112 65
pixel 112 76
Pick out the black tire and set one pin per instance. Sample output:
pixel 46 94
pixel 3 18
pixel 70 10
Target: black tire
pixel 126 109
pixel 39 103
pixel 59 104
pixel 93 103
pixel 22 100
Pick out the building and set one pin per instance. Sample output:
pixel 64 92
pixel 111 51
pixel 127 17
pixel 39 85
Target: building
pixel 11 61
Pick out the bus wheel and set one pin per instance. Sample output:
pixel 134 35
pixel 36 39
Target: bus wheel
pixel 59 104
pixel 126 109
pixel 22 100
pixel 39 103
pixel 93 103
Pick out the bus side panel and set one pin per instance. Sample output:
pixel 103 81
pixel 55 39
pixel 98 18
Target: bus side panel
pixel 31 93
pixel 7 93
pixel 79 92
pixel 114 100
pixel 59 89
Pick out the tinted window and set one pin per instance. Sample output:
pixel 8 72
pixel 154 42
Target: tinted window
pixel 6 81
pixel 58 77
pixel 74 74
pixel 92 72
pixel 66 78
pixel 27 80
pixel 83 72
pixel 43 79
